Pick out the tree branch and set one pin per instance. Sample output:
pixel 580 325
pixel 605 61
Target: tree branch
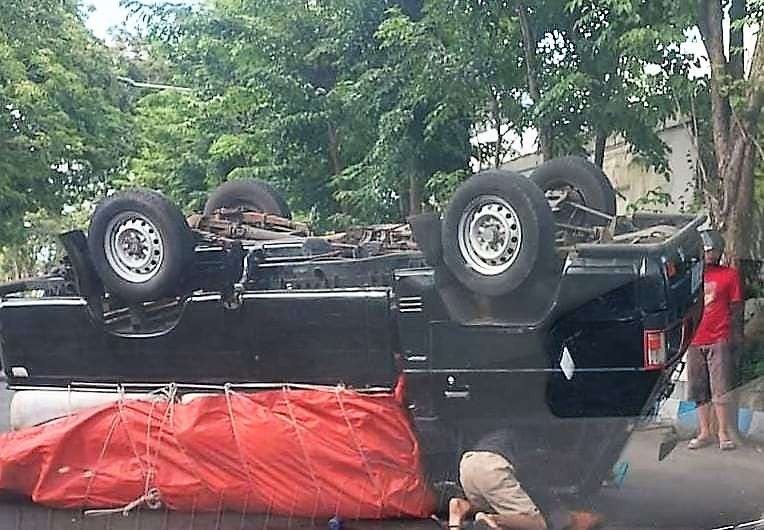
pixel 755 95
pixel 737 13
pixel 496 116
pixel 710 25
pixel 600 142
pixel 529 47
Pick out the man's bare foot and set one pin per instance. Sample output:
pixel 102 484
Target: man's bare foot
pixel 584 521
pixel 457 511
pixel 487 519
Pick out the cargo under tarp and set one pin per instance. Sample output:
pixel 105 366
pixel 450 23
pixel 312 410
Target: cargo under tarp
pixel 287 452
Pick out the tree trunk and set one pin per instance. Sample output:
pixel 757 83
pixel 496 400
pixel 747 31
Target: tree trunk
pixel 333 146
pixel 736 66
pixel 710 24
pixel 734 130
pixel 738 220
pixel 599 149
pixel 534 89
pixel 496 116
pixel 738 174
pixel 415 195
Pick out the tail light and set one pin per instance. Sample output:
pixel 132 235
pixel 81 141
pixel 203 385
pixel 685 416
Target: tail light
pixel 655 349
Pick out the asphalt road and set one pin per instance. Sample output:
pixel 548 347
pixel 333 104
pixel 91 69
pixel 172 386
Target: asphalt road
pixel 689 489
pixel 703 489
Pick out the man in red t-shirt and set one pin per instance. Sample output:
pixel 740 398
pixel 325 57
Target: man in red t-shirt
pixel 711 358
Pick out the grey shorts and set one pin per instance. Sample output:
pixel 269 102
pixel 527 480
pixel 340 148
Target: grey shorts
pixel 489 483
pixel 711 373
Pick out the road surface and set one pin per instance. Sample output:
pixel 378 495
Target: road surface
pixel 703 489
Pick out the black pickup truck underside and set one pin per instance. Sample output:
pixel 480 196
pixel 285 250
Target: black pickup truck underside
pixel 576 353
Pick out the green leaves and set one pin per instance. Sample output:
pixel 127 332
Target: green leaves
pixel 325 100
pixel 358 110
pixel 363 112
pixel 62 126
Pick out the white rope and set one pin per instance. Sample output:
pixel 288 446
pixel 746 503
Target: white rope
pixel 228 393
pixel 151 463
pixel 360 450
pixel 150 470
pixel 69 400
pixel 93 472
pixel 308 465
pixel 150 496
pixel 123 421
pixel 151 499
pixel 244 512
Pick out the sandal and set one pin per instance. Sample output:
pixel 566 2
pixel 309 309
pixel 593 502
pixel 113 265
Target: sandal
pixel 727 445
pixel 698 443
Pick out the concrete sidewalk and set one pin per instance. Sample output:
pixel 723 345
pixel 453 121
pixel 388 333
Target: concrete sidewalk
pixel 683 415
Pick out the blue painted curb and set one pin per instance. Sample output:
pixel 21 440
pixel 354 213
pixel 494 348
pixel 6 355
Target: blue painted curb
pixel 685 417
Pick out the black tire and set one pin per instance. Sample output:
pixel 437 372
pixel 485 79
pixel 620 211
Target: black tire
pixel 589 184
pixel 494 195
pixel 155 230
pixel 250 193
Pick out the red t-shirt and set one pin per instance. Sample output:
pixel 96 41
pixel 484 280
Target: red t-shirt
pixel 722 287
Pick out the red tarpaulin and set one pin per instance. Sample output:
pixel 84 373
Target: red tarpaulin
pixel 305 453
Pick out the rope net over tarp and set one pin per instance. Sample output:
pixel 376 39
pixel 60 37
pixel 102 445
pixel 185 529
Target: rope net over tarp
pixel 286 452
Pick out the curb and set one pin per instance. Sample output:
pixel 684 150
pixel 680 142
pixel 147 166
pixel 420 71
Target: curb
pixel 682 414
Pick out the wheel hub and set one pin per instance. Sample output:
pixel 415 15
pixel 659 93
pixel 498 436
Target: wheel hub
pixel 489 235
pixel 134 247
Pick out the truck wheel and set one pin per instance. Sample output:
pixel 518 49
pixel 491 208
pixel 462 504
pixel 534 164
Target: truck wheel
pixel 140 245
pixel 497 230
pixel 581 182
pixel 248 193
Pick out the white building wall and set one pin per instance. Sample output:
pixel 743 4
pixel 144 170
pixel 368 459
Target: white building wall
pixel 633 181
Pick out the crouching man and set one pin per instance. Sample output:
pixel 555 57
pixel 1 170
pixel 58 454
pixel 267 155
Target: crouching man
pixel 495 495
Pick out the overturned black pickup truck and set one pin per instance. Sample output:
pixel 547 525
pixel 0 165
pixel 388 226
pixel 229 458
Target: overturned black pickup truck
pixel 529 299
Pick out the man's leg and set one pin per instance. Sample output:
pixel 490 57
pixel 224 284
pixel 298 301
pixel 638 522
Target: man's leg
pixel 489 479
pixel 458 509
pixel 699 391
pixel 704 421
pixel 721 368
pixel 724 414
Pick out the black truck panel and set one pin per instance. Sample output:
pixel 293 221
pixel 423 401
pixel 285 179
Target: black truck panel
pixel 364 322
pixel 316 336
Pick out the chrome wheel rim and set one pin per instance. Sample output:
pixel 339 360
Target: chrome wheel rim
pixel 490 235
pixel 134 247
